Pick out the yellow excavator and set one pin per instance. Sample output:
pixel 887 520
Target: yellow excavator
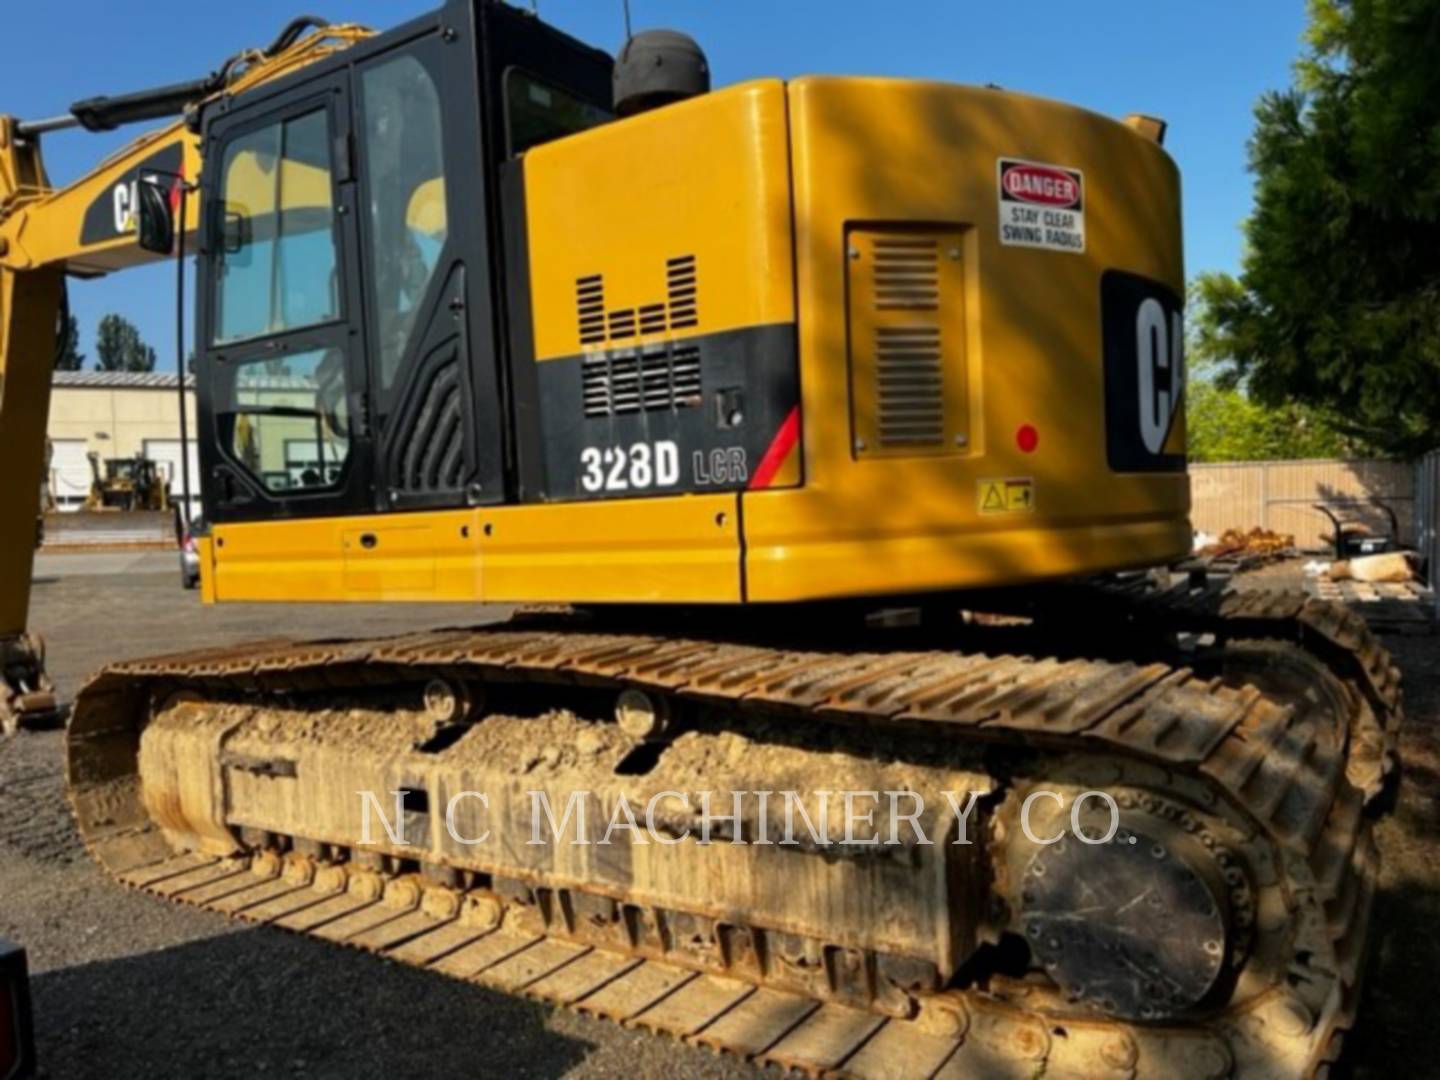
pixel 826 431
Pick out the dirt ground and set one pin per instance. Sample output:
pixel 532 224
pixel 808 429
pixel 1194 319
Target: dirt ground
pixel 125 986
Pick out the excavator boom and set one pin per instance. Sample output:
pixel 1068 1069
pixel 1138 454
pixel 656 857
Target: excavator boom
pixel 84 229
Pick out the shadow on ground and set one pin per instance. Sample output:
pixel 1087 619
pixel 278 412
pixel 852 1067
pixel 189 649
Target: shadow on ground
pixel 246 1004
pixel 1396 1034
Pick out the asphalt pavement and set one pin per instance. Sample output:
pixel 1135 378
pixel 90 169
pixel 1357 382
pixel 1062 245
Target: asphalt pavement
pixel 105 564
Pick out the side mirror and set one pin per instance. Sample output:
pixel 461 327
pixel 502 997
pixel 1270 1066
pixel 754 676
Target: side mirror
pixel 156 221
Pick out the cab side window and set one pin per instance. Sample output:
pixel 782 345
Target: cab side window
pixel 290 424
pixel 408 218
pixel 276 247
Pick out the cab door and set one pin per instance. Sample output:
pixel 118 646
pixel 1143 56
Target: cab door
pixel 425 240
pixel 281 345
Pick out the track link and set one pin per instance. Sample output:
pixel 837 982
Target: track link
pixel 1269 763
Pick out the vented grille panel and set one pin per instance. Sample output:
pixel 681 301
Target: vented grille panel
pixel 680 310
pixel 907 274
pixel 907 339
pixel 909 386
pixel 428 453
pixel 647 381
pixel 683 283
pixel 590 299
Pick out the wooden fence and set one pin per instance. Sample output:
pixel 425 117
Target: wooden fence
pixel 1281 495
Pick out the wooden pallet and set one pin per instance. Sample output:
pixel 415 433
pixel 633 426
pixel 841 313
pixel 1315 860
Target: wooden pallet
pixel 1230 563
pixel 1389 608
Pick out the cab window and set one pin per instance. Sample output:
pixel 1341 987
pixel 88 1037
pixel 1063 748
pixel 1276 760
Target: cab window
pixel 408 218
pixel 276 248
pixel 537 111
pixel 289 425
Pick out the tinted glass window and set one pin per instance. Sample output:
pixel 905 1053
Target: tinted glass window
pixel 290 424
pixel 276 250
pixel 405 170
pixel 539 112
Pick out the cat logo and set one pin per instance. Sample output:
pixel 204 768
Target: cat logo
pixel 114 210
pixel 1144 346
pixel 123 201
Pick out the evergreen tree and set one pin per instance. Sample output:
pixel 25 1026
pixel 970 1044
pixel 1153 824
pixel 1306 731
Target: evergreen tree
pixel 67 350
pixel 1338 302
pixel 119 347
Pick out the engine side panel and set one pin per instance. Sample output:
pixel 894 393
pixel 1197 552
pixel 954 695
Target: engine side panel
pixel 661 290
pixel 951 499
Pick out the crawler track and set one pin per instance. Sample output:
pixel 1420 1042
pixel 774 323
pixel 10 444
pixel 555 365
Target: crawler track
pixel 1273 789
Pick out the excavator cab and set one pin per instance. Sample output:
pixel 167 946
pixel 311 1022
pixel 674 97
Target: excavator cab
pixel 351 313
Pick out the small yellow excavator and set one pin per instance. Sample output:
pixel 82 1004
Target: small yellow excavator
pixel 828 427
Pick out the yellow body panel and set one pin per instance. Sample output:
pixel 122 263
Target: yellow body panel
pixel 892 151
pixel 871 160
pixel 707 177
pixel 684 550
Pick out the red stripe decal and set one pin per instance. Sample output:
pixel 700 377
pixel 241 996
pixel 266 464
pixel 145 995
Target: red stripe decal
pixel 784 442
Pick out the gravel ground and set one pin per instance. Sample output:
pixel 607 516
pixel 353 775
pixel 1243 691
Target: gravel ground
pixel 128 987
pixel 125 986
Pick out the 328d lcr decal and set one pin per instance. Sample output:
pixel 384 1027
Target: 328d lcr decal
pixel 1144 338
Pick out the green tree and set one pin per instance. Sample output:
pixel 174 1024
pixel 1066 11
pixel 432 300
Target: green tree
pixel 1223 423
pixel 68 356
pixel 1338 302
pixel 119 347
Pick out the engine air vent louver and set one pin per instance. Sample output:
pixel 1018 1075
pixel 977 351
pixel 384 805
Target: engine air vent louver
pixel 622 324
pixel 909 386
pixel 682 281
pixel 907 340
pixel 907 274
pixel 644 381
pixel 590 300
pixel 680 311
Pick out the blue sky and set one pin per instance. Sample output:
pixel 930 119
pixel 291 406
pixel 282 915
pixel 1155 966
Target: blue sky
pixel 1200 64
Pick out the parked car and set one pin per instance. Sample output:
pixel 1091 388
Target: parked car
pixel 190 556
pixel 17 1035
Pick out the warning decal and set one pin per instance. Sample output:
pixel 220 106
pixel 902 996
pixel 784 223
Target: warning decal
pixel 1015 495
pixel 1041 206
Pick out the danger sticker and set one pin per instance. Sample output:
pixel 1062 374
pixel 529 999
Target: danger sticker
pixel 1041 206
pixel 1010 496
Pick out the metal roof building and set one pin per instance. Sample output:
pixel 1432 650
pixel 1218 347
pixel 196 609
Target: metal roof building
pixel 115 414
